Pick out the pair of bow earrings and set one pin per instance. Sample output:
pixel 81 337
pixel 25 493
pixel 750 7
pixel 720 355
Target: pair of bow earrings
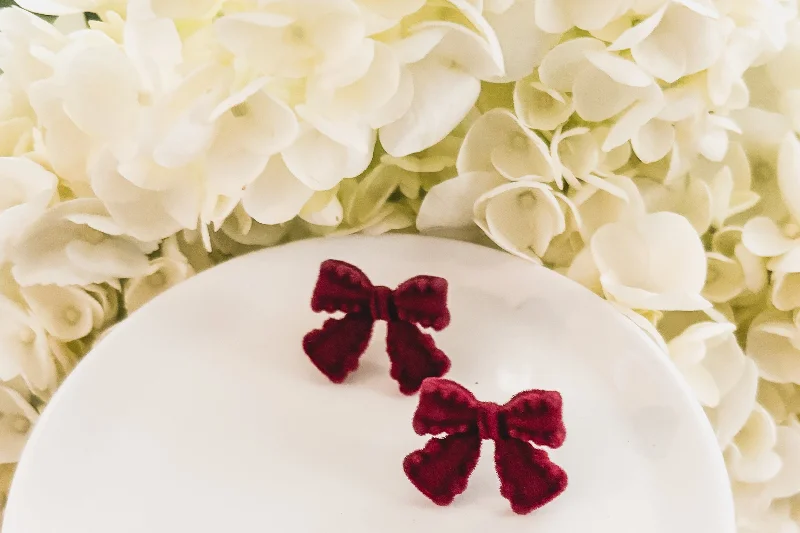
pixel 441 470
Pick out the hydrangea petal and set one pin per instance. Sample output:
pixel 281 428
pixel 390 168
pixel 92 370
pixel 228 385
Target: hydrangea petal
pixel 523 44
pixel 656 258
pixel 320 159
pixel 653 141
pixel 433 113
pixel 563 64
pixel 763 238
pixel 67 313
pixel 276 196
pixel 522 218
pixel 450 204
pixel 777 358
pixel 539 107
pixel 787 481
pixel 598 97
pixel 734 409
pixel 619 69
pixel 638 32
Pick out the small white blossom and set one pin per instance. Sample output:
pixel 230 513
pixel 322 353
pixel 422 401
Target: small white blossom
pixel 539 107
pixel 655 261
pixel 77 243
pixel 676 41
pixel 557 16
pixel 772 341
pixel 735 407
pixel 710 359
pixel 26 190
pixel 752 457
pixel 24 350
pixel 17 418
pixel 164 272
pixel 498 142
pixel 525 217
pixel 451 203
pixel 66 313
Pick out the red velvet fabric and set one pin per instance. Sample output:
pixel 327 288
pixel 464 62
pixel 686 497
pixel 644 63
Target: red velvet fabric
pixel 335 349
pixel 441 470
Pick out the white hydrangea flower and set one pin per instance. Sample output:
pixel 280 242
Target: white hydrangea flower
pixel 305 35
pixel 26 190
pixel 688 196
pixel 66 313
pixel 165 272
pixel 729 183
pixel 380 16
pixel 24 350
pixel 525 217
pixel 679 39
pixel 578 158
pixel 442 54
pixel 17 121
pixel 725 279
pixel 109 299
pixel 599 207
pixel 655 261
pixel 17 417
pixel 522 42
pixel 498 142
pixel 450 204
pixel 786 482
pixel 276 196
pixel 736 406
pixel 752 457
pixel 239 234
pixel 558 16
pixel 773 341
pixel 77 243
pixel 710 359
pixel 727 242
pixel 780 517
pixel 539 107
pixel 27 44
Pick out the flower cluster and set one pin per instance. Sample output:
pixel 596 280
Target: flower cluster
pixel 647 149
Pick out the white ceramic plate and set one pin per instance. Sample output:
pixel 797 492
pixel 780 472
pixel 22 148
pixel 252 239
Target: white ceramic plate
pixel 202 414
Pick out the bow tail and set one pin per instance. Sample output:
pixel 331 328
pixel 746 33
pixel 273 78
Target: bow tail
pixel 442 468
pixel 528 479
pixel 336 347
pixel 414 356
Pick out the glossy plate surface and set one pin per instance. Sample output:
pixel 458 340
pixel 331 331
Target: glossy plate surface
pixel 201 412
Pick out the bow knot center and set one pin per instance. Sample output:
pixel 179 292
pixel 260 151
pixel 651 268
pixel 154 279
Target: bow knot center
pixel 382 304
pixel 489 421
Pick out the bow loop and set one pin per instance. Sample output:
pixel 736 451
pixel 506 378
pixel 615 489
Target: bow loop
pixel 445 407
pixel 536 416
pixel 341 287
pixel 423 300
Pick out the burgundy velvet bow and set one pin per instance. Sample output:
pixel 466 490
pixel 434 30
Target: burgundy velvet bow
pixel 528 479
pixel 336 348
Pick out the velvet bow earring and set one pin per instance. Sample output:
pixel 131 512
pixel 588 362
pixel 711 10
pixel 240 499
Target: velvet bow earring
pixel 335 349
pixel 441 470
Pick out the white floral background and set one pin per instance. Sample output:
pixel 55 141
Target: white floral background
pixel 645 148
